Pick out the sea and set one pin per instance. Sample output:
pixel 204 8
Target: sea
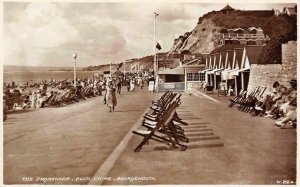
pixel 21 76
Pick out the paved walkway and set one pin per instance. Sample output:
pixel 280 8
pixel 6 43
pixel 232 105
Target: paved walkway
pixel 70 141
pixel 226 147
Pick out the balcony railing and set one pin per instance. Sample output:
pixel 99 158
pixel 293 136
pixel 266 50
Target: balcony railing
pixel 243 36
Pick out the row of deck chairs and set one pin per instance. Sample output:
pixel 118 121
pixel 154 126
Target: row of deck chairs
pixel 246 103
pixel 67 97
pixel 162 123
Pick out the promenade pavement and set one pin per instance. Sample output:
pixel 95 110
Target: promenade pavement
pixel 226 147
pixel 70 141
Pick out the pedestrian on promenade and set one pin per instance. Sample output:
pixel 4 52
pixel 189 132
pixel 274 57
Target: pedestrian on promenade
pixel 119 86
pixel 33 99
pixel 100 87
pixel 230 91
pixel 128 84
pixel 132 85
pixel 142 83
pixel 111 98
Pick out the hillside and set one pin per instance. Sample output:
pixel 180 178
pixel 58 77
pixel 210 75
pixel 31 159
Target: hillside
pixel 205 36
pixel 13 68
pixel 146 62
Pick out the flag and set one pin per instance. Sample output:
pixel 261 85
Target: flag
pixel 156 14
pixel 158 46
pixel 121 64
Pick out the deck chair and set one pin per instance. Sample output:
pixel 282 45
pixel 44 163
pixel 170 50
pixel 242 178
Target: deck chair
pixel 250 101
pixel 149 122
pixel 176 118
pixel 237 98
pixel 157 107
pixel 160 129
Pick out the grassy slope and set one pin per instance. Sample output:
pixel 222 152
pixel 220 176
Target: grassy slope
pixel 146 61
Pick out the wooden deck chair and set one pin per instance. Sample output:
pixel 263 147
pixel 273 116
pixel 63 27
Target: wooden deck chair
pixel 162 106
pixel 242 94
pixel 157 133
pixel 177 131
pixel 249 103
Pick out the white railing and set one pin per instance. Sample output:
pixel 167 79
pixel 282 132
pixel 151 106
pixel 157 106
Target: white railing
pixel 243 36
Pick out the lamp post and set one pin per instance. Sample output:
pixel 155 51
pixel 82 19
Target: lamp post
pixel 110 69
pixel 75 56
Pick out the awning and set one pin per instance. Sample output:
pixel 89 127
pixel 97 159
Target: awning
pixel 236 72
pixel 225 73
pixel 216 70
pixel 203 71
pixel 175 71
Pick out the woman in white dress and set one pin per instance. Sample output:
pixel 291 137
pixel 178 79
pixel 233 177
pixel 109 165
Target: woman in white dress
pixel 132 85
pixel 111 98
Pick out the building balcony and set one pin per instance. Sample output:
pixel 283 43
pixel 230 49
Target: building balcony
pixel 243 36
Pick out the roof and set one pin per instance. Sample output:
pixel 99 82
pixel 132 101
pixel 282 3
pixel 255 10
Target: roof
pixel 174 71
pixel 254 28
pixel 291 10
pixel 205 55
pixel 239 56
pixel 194 62
pixel 230 57
pixel 254 53
pixel 226 47
pixel 227 7
pixel 223 58
pixel 217 62
pixel 186 52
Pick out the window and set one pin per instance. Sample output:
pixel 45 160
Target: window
pixel 189 76
pixel 195 76
pixel 202 76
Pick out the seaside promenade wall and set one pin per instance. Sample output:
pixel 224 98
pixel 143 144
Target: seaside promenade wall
pixel 265 75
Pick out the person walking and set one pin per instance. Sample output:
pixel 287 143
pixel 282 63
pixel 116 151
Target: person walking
pixel 100 87
pixel 119 86
pixel 132 85
pixel 111 98
pixel 142 83
pixel 128 84
pixel 33 99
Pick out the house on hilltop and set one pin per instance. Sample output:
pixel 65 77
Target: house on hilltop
pixel 227 9
pixel 290 11
pixel 250 36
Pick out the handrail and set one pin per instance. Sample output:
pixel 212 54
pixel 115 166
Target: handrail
pixel 233 35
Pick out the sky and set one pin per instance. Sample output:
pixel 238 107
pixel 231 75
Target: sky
pixel 47 34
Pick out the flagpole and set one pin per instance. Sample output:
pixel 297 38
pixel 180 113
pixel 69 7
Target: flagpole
pixel 155 57
pixel 110 69
pixel 154 63
pixel 124 68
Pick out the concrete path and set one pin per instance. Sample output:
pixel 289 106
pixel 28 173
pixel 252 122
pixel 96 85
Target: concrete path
pixel 226 147
pixel 70 141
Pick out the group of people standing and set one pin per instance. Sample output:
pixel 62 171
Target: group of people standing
pixel 114 85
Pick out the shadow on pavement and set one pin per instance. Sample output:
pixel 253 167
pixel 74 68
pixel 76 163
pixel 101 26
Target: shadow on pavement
pixel 18 112
pixel 128 111
pixel 206 146
pixel 202 134
pixel 197 130
pixel 204 138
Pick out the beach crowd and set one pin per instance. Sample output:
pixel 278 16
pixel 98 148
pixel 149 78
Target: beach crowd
pixel 58 93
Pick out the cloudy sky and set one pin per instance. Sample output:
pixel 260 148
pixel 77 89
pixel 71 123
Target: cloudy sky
pixel 47 34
